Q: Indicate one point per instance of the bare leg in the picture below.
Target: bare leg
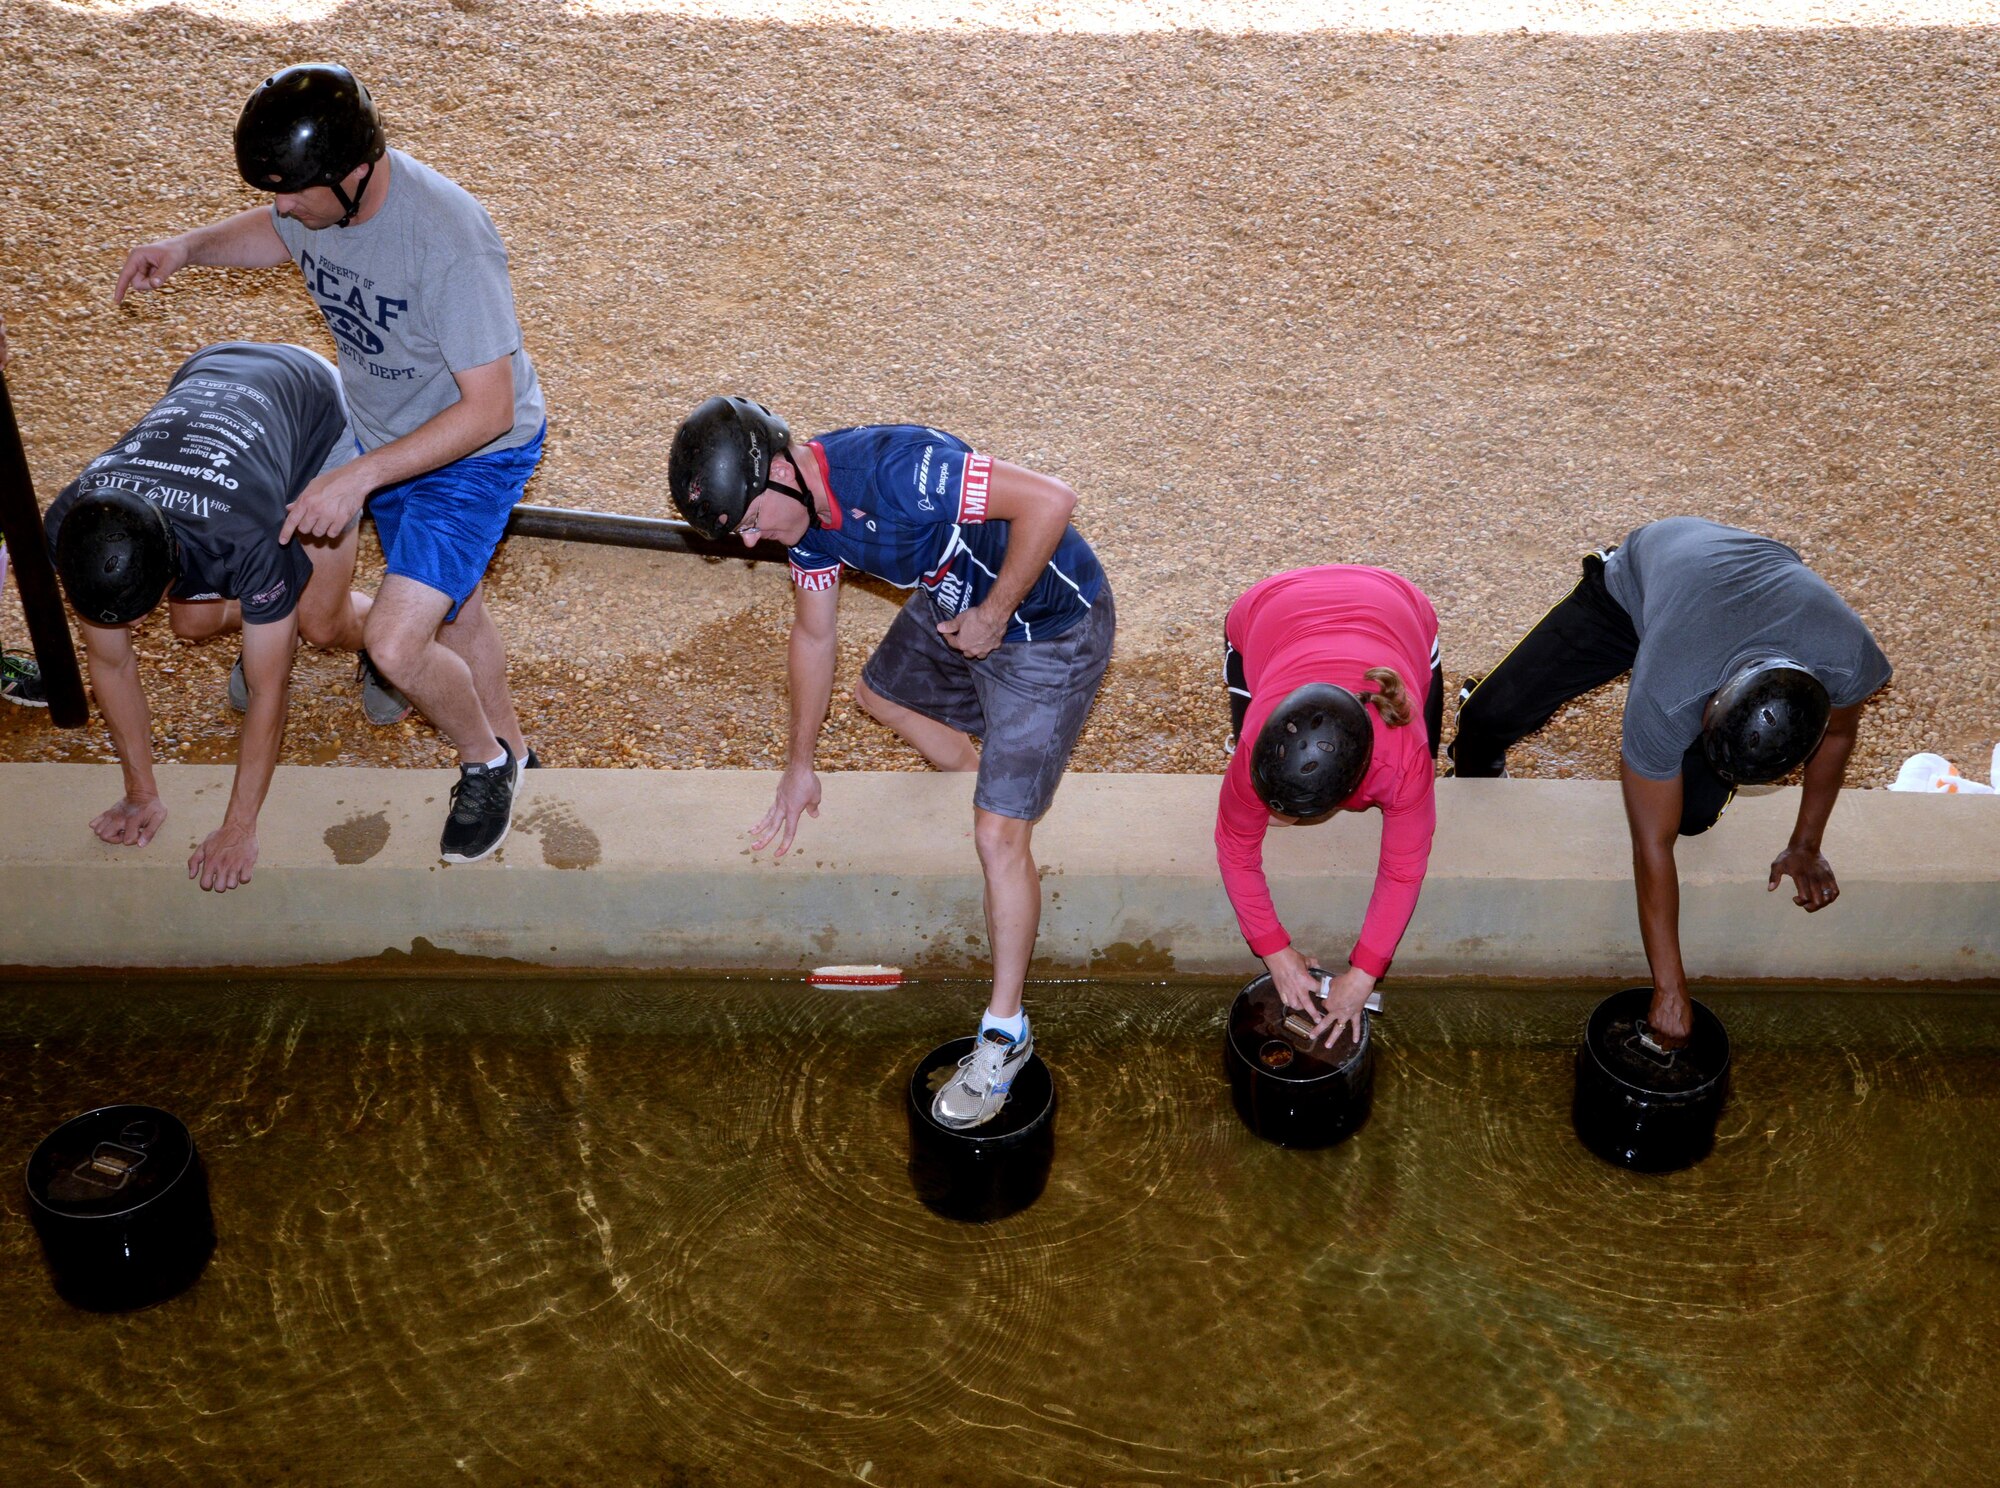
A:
(1013, 902)
(204, 619)
(332, 614)
(944, 746)
(401, 632)
(476, 640)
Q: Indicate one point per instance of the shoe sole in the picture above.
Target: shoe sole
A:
(953, 1124)
(21, 702)
(481, 857)
(370, 712)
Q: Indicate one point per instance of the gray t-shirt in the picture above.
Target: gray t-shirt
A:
(243, 427)
(1705, 598)
(414, 294)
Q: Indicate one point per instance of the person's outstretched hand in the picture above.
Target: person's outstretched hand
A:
(1291, 975)
(798, 793)
(1346, 1000)
(225, 858)
(1670, 1019)
(328, 505)
(130, 823)
(1812, 875)
(150, 267)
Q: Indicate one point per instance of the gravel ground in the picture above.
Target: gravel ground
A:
(1460, 304)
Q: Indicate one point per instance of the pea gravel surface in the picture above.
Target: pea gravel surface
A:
(1459, 290)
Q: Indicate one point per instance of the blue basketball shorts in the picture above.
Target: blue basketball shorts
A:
(440, 528)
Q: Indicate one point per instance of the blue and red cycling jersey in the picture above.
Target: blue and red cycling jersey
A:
(909, 507)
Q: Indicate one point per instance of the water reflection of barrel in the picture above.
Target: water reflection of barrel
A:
(1286, 1090)
(1640, 1107)
(119, 1198)
(982, 1172)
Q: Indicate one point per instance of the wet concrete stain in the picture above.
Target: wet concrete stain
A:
(567, 842)
(1122, 955)
(424, 956)
(359, 838)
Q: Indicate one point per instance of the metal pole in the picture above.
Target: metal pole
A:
(659, 534)
(35, 576)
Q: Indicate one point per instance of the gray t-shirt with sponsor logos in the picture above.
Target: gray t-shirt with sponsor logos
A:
(414, 294)
(243, 427)
(1705, 598)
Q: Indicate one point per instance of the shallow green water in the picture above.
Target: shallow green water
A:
(614, 1230)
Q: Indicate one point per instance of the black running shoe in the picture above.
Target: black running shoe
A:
(21, 680)
(482, 809)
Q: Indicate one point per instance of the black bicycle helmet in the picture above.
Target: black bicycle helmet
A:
(1312, 751)
(116, 553)
(721, 462)
(309, 126)
(1764, 721)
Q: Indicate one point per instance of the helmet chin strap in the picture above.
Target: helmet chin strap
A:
(360, 194)
(812, 508)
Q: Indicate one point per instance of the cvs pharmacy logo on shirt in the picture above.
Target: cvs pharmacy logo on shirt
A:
(353, 316)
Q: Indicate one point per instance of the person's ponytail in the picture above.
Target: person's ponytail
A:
(1393, 701)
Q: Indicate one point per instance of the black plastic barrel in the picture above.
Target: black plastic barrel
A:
(1641, 1108)
(987, 1172)
(1287, 1090)
(120, 1200)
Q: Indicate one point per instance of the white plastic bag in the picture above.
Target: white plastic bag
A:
(1938, 776)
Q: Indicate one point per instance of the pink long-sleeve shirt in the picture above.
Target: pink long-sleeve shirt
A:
(1332, 624)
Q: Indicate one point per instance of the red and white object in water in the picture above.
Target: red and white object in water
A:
(834, 978)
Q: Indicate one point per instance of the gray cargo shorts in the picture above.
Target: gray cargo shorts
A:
(1025, 701)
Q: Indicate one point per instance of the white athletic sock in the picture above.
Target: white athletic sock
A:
(1013, 1027)
(497, 761)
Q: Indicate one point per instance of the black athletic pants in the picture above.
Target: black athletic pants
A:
(1584, 642)
(1239, 697)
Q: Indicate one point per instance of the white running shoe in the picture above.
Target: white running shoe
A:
(976, 1094)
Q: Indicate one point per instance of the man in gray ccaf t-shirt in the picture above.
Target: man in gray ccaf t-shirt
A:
(447, 411)
(1744, 664)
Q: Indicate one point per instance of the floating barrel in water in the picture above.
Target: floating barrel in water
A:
(981, 1172)
(120, 1200)
(1286, 1090)
(1645, 1108)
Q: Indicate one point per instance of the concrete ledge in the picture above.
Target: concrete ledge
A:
(642, 869)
